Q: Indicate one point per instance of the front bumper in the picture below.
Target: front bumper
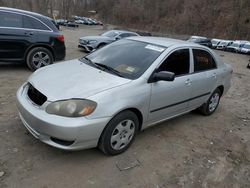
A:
(60, 132)
(87, 47)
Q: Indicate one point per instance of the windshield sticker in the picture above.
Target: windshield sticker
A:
(127, 69)
(155, 48)
(130, 69)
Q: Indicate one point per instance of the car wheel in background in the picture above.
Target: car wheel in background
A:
(101, 45)
(119, 133)
(39, 57)
(211, 105)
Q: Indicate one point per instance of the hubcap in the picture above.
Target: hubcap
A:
(40, 59)
(122, 134)
(214, 101)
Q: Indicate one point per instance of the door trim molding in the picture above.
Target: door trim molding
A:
(171, 105)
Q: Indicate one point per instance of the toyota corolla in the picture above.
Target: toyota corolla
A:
(105, 98)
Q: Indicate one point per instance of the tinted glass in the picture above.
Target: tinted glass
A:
(124, 35)
(177, 62)
(10, 20)
(130, 58)
(110, 34)
(246, 46)
(32, 23)
(203, 60)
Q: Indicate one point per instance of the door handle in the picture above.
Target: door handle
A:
(188, 82)
(29, 33)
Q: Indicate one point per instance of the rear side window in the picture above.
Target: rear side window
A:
(203, 60)
(32, 23)
(8, 19)
(178, 62)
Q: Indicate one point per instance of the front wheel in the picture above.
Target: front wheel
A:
(211, 105)
(119, 133)
(39, 57)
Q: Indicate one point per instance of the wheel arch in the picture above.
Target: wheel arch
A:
(221, 88)
(39, 45)
(101, 43)
(134, 110)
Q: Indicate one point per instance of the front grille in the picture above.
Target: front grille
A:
(35, 96)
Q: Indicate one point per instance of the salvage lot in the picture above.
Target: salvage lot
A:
(189, 151)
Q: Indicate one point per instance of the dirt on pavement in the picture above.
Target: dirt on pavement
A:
(189, 151)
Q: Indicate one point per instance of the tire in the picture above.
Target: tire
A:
(101, 45)
(208, 108)
(248, 66)
(42, 55)
(119, 133)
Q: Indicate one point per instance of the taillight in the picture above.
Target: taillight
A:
(60, 38)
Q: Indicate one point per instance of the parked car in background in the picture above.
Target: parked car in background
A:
(245, 48)
(215, 43)
(28, 37)
(201, 40)
(61, 22)
(71, 24)
(236, 46)
(91, 43)
(223, 44)
(71, 105)
(80, 22)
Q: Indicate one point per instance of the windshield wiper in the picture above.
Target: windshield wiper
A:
(92, 63)
(110, 69)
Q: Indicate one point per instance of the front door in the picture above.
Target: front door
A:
(171, 98)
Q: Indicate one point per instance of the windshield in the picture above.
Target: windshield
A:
(110, 34)
(235, 45)
(127, 57)
(215, 42)
(247, 46)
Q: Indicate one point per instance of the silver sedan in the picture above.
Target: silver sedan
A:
(105, 98)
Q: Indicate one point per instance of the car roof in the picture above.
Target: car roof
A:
(122, 31)
(23, 12)
(166, 42)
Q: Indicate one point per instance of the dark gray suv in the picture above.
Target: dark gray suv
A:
(30, 38)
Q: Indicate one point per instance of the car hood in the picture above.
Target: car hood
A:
(73, 79)
(98, 38)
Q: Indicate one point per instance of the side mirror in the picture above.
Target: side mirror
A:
(118, 37)
(162, 76)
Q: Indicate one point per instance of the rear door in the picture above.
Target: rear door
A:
(204, 77)
(14, 38)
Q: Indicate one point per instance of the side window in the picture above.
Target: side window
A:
(203, 60)
(127, 35)
(177, 62)
(8, 19)
(124, 35)
(31, 23)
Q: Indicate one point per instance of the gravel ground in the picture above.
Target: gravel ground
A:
(189, 151)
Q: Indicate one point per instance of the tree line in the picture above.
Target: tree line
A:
(229, 19)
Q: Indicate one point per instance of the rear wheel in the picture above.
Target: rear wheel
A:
(39, 57)
(211, 105)
(119, 133)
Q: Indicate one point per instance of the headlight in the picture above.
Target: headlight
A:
(92, 41)
(71, 108)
